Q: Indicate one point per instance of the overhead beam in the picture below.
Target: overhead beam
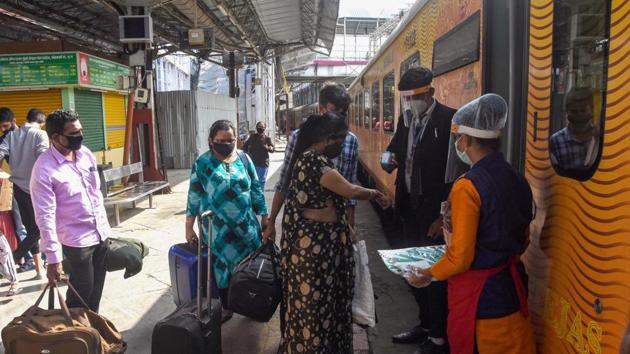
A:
(191, 10)
(228, 11)
(14, 32)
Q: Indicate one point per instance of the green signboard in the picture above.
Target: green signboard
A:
(104, 73)
(41, 69)
(59, 69)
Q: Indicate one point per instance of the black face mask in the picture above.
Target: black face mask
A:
(74, 142)
(223, 149)
(260, 130)
(334, 150)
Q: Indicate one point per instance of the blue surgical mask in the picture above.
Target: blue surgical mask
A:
(463, 156)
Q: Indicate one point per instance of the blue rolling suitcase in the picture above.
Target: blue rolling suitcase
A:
(182, 259)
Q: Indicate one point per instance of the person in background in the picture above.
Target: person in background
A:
(258, 146)
(22, 147)
(224, 180)
(316, 260)
(69, 210)
(419, 151)
(333, 97)
(21, 233)
(575, 146)
(7, 267)
(491, 209)
(35, 118)
(20, 230)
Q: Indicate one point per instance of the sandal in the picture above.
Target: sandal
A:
(14, 289)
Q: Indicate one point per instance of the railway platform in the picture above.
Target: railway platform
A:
(135, 304)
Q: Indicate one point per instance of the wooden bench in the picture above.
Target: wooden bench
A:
(131, 192)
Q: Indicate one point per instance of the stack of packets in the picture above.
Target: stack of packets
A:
(403, 261)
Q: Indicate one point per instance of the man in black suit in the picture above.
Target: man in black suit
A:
(419, 151)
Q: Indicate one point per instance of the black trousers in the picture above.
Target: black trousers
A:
(87, 275)
(433, 304)
(31, 242)
(432, 300)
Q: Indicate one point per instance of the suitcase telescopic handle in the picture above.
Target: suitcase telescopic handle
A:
(205, 215)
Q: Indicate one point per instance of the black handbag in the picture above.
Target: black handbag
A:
(256, 286)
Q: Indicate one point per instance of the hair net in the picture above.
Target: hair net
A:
(483, 117)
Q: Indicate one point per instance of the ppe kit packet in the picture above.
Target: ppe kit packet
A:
(402, 261)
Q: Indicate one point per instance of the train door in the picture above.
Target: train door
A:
(505, 37)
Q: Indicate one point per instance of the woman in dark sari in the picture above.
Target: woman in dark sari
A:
(316, 258)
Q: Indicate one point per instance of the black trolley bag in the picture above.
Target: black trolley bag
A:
(195, 326)
(256, 285)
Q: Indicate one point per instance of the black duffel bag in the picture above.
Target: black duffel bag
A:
(256, 287)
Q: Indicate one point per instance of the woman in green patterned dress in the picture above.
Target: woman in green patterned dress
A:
(316, 259)
(224, 180)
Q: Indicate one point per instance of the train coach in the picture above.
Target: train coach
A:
(532, 53)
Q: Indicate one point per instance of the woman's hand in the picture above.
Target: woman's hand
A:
(419, 277)
(264, 224)
(264, 220)
(269, 231)
(381, 199)
(190, 234)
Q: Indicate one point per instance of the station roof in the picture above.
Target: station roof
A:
(309, 23)
(253, 26)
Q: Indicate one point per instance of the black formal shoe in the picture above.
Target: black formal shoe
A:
(428, 347)
(415, 335)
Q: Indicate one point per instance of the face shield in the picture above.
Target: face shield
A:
(412, 105)
(455, 167)
(483, 118)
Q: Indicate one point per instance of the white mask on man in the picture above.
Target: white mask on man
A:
(418, 107)
(413, 108)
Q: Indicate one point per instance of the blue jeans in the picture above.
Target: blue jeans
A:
(261, 171)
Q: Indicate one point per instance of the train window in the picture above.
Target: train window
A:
(367, 113)
(388, 103)
(376, 106)
(578, 100)
(413, 59)
(458, 47)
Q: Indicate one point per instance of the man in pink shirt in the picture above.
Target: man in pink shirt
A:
(68, 204)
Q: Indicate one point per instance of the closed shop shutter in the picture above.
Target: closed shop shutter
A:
(115, 119)
(21, 102)
(89, 106)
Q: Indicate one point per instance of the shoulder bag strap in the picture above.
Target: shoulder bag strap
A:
(246, 163)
